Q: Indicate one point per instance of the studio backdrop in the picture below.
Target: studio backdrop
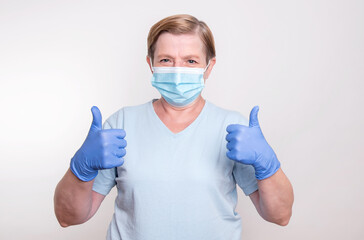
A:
(302, 62)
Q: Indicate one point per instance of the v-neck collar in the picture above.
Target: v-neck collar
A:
(165, 129)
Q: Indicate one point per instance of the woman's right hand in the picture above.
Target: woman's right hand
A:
(102, 149)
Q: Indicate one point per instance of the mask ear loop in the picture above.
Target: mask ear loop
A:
(151, 63)
(206, 67)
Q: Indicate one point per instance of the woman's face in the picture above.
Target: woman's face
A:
(182, 50)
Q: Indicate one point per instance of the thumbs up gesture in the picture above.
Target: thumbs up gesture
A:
(247, 145)
(102, 149)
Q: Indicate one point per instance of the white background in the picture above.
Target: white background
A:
(302, 62)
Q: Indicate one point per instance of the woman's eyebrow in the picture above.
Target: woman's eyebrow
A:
(162, 55)
(192, 56)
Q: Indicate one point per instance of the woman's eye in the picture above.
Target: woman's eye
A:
(192, 61)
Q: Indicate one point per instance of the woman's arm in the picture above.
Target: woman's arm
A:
(274, 198)
(74, 200)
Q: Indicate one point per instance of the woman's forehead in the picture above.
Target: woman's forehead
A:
(179, 44)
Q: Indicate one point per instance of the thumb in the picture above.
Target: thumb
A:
(253, 119)
(96, 119)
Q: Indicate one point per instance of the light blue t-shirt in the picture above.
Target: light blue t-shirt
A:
(175, 186)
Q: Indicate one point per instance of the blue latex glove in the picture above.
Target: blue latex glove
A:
(247, 145)
(102, 149)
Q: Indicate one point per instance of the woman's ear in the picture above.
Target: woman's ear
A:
(149, 63)
(209, 69)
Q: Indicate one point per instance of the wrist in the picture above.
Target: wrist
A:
(266, 165)
(80, 169)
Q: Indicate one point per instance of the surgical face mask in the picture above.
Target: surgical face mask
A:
(179, 86)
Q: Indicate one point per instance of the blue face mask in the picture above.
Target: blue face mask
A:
(179, 86)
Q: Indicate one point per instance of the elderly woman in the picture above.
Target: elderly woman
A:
(177, 179)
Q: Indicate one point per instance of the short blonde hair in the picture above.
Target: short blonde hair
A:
(182, 24)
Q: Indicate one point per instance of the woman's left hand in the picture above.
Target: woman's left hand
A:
(247, 145)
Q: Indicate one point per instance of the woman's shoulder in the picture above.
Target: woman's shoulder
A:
(116, 119)
(228, 115)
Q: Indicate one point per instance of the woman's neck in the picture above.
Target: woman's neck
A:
(178, 118)
(172, 110)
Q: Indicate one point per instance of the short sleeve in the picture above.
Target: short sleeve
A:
(243, 174)
(105, 179)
